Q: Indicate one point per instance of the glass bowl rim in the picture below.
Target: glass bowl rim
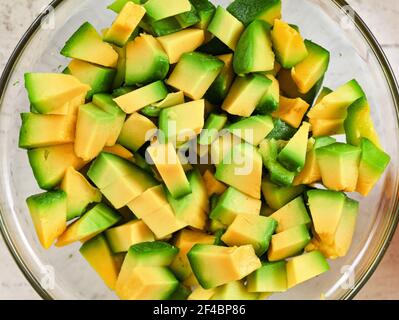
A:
(371, 41)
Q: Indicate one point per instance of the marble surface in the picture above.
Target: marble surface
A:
(381, 16)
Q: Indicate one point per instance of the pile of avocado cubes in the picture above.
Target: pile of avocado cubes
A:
(172, 76)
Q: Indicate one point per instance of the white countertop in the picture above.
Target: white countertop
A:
(381, 16)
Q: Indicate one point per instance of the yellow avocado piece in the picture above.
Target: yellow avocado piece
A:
(71, 107)
(311, 172)
(178, 43)
(327, 127)
(120, 151)
(213, 186)
(124, 24)
(149, 201)
(221, 147)
(291, 111)
(172, 99)
(202, 294)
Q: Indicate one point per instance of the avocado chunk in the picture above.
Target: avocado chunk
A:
(189, 18)
(49, 164)
(291, 111)
(249, 10)
(339, 166)
(222, 146)
(326, 208)
(48, 211)
(288, 243)
(245, 94)
(106, 103)
(162, 27)
(281, 131)
(92, 223)
(120, 151)
(291, 215)
(205, 10)
(358, 124)
(226, 27)
(120, 75)
(213, 186)
(178, 43)
(161, 9)
(221, 86)
(87, 45)
(193, 207)
(293, 155)
(215, 47)
(185, 240)
(148, 202)
(145, 51)
(227, 264)
(373, 162)
(250, 229)
(47, 92)
(307, 73)
(99, 78)
(202, 294)
(288, 44)
(98, 254)
(233, 203)
(136, 131)
(44, 130)
(125, 23)
(271, 99)
(254, 49)
(271, 277)
(242, 169)
(80, 193)
(213, 125)
(278, 196)
(182, 122)
(165, 158)
(234, 290)
(194, 74)
(305, 267)
(253, 129)
(121, 91)
(92, 131)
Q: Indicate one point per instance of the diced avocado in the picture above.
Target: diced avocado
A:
(118, 5)
(288, 243)
(44, 130)
(48, 91)
(281, 131)
(288, 44)
(326, 208)
(291, 215)
(334, 105)
(373, 162)
(253, 129)
(307, 73)
(161, 9)
(193, 207)
(120, 75)
(188, 19)
(325, 127)
(92, 223)
(293, 154)
(194, 74)
(122, 237)
(305, 267)
(182, 122)
(98, 254)
(125, 24)
(215, 47)
(106, 103)
(227, 264)
(121, 151)
(221, 86)
(234, 290)
(169, 167)
(92, 131)
(339, 166)
(80, 193)
(145, 51)
(245, 94)
(226, 27)
(202, 294)
(205, 10)
(250, 229)
(87, 45)
(213, 186)
(242, 169)
(271, 277)
(324, 92)
(99, 78)
(162, 27)
(142, 97)
(291, 111)
(271, 99)
(249, 10)
(48, 211)
(222, 146)
(136, 131)
(121, 91)
(49, 164)
(148, 202)
(184, 241)
(358, 124)
(213, 125)
(276, 196)
(233, 203)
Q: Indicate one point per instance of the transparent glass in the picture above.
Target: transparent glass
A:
(354, 54)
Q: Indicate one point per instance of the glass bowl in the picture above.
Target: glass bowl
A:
(64, 274)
